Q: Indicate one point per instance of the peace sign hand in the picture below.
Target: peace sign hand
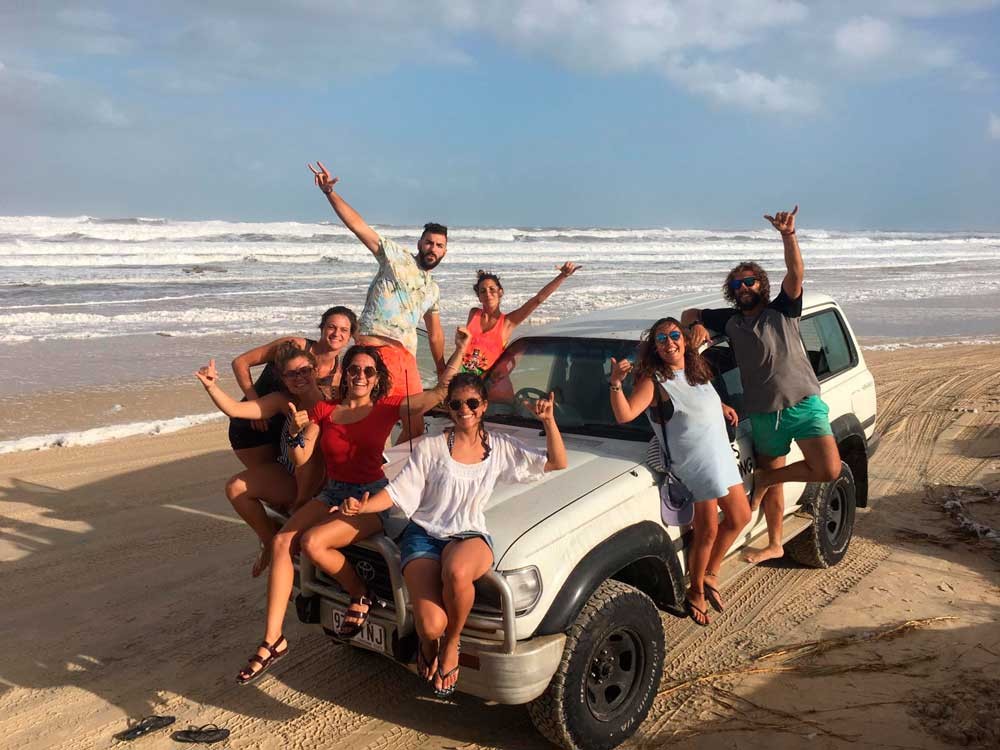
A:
(619, 370)
(322, 178)
(568, 268)
(784, 221)
(207, 375)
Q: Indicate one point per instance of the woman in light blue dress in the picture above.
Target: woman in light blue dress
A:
(700, 451)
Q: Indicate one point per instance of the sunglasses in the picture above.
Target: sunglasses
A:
(355, 370)
(749, 281)
(661, 337)
(456, 403)
(302, 373)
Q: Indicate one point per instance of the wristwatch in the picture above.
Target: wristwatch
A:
(615, 387)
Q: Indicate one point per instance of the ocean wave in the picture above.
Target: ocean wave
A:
(97, 435)
(129, 221)
(898, 345)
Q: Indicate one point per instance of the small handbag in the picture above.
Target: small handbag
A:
(676, 500)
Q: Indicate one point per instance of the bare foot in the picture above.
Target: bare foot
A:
(427, 666)
(755, 556)
(760, 488)
(262, 561)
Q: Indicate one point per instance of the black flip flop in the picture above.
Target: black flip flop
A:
(712, 597)
(208, 734)
(144, 727)
(691, 609)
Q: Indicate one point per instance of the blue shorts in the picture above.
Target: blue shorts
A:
(416, 543)
(336, 492)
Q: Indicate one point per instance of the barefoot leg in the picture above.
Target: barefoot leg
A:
(774, 511)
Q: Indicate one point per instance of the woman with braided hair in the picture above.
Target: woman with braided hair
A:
(490, 328)
(443, 489)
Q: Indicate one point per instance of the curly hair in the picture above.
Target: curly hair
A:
(384, 384)
(284, 354)
(763, 283)
(483, 276)
(697, 370)
(471, 380)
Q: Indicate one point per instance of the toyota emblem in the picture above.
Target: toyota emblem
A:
(366, 570)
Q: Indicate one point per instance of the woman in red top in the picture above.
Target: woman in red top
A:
(491, 329)
(352, 431)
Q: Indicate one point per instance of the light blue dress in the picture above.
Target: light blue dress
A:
(700, 452)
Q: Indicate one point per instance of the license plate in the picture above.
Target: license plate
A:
(372, 634)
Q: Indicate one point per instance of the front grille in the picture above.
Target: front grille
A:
(370, 567)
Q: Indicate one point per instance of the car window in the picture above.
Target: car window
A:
(827, 344)
(727, 375)
(576, 371)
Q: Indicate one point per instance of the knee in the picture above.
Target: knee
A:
(236, 487)
(312, 544)
(431, 623)
(456, 576)
(736, 517)
(830, 469)
(282, 543)
(708, 530)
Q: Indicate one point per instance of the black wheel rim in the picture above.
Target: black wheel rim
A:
(614, 674)
(833, 520)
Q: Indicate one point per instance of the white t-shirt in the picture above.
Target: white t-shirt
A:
(446, 497)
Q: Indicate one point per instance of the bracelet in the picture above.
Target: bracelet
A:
(787, 234)
(298, 440)
(615, 388)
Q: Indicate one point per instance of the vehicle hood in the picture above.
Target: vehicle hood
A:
(515, 508)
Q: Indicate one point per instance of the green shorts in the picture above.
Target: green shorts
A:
(774, 432)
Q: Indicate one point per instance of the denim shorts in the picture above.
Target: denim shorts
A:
(774, 432)
(336, 492)
(416, 543)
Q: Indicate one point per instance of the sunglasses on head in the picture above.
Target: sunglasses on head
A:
(302, 372)
(456, 403)
(749, 281)
(661, 337)
(355, 370)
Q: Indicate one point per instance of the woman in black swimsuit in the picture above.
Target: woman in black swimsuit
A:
(257, 442)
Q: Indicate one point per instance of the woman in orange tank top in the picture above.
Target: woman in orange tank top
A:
(490, 329)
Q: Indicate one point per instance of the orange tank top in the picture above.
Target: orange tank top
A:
(485, 346)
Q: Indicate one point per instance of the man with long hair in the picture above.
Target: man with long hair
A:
(401, 293)
(781, 392)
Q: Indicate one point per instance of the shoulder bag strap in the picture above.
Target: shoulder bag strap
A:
(663, 422)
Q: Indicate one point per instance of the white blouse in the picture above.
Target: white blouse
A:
(446, 497)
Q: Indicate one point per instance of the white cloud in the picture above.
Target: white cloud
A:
(994, 126)
(864, 39)
(745, 89)
(42, 99)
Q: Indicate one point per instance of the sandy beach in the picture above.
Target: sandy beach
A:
(125, 583)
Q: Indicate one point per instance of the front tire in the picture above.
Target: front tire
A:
(826, 541)
(609, 673)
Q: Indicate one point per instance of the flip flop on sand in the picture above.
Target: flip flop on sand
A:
(144, 727)
(208, 734)
(694, 613)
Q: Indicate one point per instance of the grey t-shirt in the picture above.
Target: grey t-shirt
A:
(774, 368)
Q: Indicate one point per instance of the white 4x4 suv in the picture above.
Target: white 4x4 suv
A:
(568, 621)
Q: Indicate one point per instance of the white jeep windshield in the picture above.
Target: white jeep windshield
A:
(576, 371)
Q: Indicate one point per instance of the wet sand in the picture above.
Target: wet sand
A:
(125, 584)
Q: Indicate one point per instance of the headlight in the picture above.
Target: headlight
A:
(526, 586)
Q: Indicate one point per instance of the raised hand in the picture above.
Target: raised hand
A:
(207, 375)
(462, 337)
(619, 370)
(699, 335)
(298, 418)
(784, 221)
(322, 178)
(568, 268)
(352, 506)
(544, 408)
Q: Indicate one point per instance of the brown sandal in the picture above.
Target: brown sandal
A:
(248, 674)
(347, 629)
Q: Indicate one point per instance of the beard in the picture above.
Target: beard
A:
(428, 261)
(748, 300)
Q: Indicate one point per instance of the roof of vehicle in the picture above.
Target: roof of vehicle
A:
(629, 321)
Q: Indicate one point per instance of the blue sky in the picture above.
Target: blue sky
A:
(879, 114)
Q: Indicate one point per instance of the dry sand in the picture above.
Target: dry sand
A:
(125, 590)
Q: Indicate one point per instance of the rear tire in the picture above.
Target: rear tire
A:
(826, 541)
(609, 673)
